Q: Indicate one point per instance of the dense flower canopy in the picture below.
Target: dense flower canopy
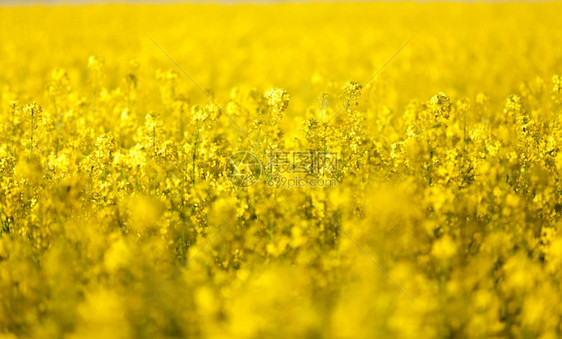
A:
(118, 218)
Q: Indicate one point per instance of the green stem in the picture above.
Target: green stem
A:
(194, 155)
(13, 132)
(31, 135)
(154, 141)
(557, 111)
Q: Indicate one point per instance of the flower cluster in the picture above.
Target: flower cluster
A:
(119, 220)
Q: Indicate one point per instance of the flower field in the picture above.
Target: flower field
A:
(362, 170)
